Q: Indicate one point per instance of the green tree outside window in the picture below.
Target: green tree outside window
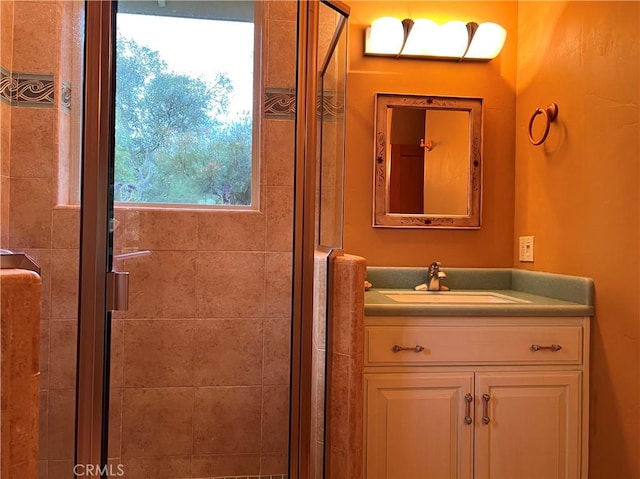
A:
(174, 143)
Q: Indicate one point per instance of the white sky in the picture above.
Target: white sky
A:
(199, 48)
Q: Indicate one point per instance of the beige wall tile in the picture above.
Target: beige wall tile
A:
(354, 405)
(64, 284)
(230, 284)
(42, 258)
(227, 420)
(231, 231)
(33, 142)
(60, 469)
(277, 347)
(274, 463)
(279, 145)
(275, 419)
(62, 367)
(278, 276)
(225, 465)
(6, 34)
(44, 355)
(338, 402)
(63, 160)
(5, 126)
(65, 227)
(61, 424)
(5, 203)
(162, 285)
(282, 10)
(161, 467)
(43, 465)
(281, 66)
(227, 352)
(279, 218)
(115, 423)
(338, 463)
(43, 425)
(30, 220)
(126, 228)
(348, 305)
(35, 39)
(158, 353)
(157, 422)
(117, 353)
(157, 229)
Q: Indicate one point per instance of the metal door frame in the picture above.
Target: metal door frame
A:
(300, 440)
(92, 383)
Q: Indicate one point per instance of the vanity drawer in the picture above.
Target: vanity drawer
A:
(416, 345)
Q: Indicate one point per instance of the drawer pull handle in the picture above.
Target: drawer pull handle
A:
(553, 347)
(469, 399)
(485, 409)
(417, 348)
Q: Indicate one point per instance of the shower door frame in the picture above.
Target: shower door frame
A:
(92, 386)
(92, 383)
(304, 241)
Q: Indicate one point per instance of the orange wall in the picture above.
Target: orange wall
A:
(578, 193)
(492, 245)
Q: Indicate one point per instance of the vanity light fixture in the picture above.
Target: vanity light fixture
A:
(422, 38)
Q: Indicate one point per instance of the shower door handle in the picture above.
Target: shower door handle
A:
(118, 283)
(117, 291)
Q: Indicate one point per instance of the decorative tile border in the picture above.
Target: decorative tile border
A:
(5, 86)
(332, 106)
(280, 103)
(26, 89)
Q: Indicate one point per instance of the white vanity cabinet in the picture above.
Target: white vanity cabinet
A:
(476, 397)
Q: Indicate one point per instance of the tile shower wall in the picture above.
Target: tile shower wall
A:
(6, 62)
(200, 365)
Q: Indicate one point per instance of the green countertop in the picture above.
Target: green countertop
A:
(536, 293)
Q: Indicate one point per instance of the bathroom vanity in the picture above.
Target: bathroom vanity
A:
(489, 380)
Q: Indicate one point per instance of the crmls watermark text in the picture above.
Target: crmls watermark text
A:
(95, 470)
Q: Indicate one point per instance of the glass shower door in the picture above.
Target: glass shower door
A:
(188, 392)
(196, 369)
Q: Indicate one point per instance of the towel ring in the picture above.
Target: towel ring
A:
(550, 114)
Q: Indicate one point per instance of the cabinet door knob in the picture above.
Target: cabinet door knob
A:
(417, 348)
(469, 399)
(485, 409)
(553, 347)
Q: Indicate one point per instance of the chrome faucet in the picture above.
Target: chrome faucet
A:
(435, 276)
(434, 279)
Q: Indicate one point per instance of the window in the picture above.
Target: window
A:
(185, 130)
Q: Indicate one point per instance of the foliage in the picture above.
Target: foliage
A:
(171, 144)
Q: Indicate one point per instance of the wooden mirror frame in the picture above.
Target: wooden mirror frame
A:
(382, 217)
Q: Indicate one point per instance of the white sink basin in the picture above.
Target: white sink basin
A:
(444, 297)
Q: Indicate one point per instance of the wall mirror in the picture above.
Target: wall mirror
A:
(428, 162)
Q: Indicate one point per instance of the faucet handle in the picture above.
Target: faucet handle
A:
(442, 274)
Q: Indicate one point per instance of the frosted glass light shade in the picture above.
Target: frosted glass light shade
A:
(454, 40)
(423, 34)
(487, 42)
(451, 41)
(385, 36)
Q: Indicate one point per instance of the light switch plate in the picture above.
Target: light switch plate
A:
(526, 249)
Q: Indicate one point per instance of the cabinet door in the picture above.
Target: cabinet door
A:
(532, 425)
(415, 426)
